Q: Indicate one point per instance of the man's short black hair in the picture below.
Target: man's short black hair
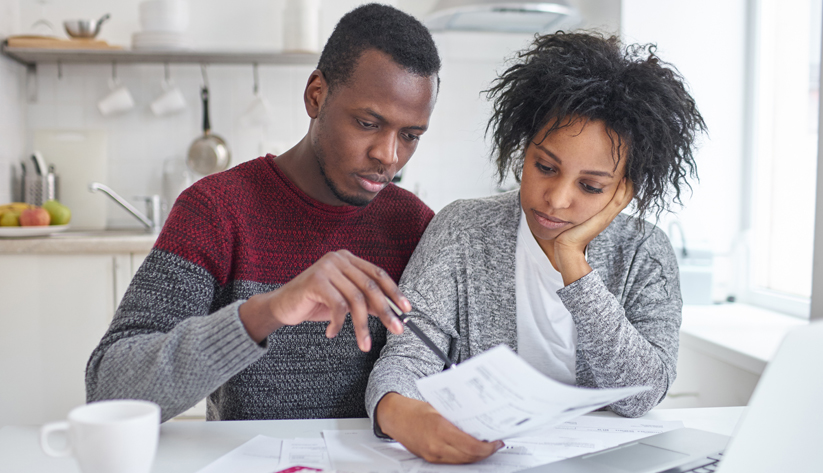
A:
(381, 27)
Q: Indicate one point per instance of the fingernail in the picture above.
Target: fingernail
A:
(499, 444)
(366, 343)
(406, 304)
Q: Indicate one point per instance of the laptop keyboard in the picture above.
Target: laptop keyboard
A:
(708, 464)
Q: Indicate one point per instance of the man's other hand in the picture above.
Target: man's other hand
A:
(337, 284)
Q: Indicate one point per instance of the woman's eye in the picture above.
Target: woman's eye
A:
(543, 168)
(591, 189)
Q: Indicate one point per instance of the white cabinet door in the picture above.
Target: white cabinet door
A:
(54, 309)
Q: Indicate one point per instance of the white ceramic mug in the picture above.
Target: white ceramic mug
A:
(119, 100)
(118, 436)
(171, 101)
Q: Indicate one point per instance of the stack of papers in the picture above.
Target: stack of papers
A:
(359, 451)
(495, 395)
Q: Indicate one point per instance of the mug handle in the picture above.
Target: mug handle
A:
(44, 439)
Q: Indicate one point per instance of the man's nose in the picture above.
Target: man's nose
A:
(385, 149)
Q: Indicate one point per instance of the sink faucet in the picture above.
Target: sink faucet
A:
(152, 222)
(676, 224)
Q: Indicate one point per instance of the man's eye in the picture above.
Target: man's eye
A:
(366, 124)
(410, 137)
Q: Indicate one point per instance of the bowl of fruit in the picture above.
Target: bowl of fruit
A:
(19, 219)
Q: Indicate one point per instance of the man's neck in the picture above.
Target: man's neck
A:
(300, 165)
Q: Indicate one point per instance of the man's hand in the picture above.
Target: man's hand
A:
(570, 246)
(337, 284)
(427, 434)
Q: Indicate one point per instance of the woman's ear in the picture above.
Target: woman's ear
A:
(317, 89)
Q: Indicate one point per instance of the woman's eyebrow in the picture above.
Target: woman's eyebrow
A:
(557, 159)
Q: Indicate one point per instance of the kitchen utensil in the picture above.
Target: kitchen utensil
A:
(209, 153)
(82, 157)
(84, 28)
(39, 163)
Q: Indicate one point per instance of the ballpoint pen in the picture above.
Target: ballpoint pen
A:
(422, 336)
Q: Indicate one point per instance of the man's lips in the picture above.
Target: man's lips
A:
(547, 221)
(372, 182)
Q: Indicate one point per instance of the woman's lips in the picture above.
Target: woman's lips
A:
(547, 221)
(372, 184)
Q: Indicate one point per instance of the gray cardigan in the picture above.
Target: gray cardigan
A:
(460, 281)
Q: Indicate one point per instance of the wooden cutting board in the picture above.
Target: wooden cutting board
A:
(50, 42)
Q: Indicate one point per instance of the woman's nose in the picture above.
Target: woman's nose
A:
(559, 195)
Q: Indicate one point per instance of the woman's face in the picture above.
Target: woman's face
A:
(568, 177)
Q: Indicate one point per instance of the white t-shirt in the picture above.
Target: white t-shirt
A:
(546, 334)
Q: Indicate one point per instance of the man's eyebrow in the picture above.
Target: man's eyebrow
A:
(557, 159)
(382, 119)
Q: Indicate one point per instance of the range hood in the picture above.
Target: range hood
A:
(529, 16)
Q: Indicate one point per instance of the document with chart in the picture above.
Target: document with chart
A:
(498, 395)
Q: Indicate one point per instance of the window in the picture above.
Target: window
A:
(783, 141)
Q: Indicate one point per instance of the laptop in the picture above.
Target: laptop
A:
(780, 431)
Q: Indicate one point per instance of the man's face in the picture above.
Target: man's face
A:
(369, 127)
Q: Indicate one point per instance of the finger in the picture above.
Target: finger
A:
(338, 307)
(356, 301)
(377, 285)
(469, 448)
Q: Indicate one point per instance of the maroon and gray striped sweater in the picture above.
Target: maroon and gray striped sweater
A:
(177, 337)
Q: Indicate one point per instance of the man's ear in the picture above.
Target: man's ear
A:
(317, 89)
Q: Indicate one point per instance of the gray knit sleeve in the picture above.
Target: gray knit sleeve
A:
(431, 284)
(631, 340)
(166, 343)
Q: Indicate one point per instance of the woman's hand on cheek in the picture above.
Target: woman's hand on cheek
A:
(427, 434)
(569, 246)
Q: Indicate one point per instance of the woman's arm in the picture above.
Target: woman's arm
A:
(633, 343)
(431, 282)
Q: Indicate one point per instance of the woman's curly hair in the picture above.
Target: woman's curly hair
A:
(640, 99)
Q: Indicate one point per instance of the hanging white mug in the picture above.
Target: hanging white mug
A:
(119, 100)
(170, 101)
(118, 436)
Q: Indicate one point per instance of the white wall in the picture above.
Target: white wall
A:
(12, 117)
(450, 163)
(705, 39)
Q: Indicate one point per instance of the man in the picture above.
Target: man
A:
(244, 297)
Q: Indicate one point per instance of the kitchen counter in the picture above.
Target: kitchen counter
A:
(81, 242)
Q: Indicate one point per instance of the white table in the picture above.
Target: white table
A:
(187, 446)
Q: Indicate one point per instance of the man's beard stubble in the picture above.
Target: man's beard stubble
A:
(319, 153)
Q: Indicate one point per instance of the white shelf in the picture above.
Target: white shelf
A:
(33, 56)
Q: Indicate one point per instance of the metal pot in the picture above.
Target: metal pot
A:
(209, 153)
(84, 28)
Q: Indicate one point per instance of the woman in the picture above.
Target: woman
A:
(586, 295)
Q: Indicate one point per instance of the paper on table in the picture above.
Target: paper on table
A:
(304, 452)
(497, 395)
(259, 455)
(354, 450)
(577, 437)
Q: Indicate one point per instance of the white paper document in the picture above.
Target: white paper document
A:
(358, 451)
(259, 455)
(498, 395)
(577, 437)
(304, 452)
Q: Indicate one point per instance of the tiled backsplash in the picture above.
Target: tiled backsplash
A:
(451, 161)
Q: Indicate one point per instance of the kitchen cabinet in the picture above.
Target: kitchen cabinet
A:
(54, 308)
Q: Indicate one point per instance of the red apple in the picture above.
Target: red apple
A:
(37, 217)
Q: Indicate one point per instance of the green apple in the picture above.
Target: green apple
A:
(59, 213)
